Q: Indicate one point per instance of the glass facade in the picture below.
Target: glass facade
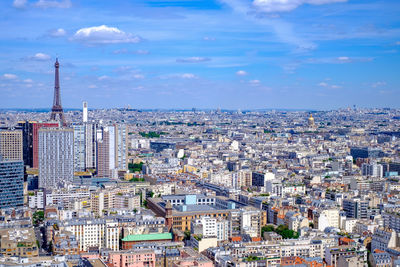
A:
(11, 184)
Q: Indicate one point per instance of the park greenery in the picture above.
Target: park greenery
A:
(152, 134)
(281, 230)
(38, 217)
(135, 167)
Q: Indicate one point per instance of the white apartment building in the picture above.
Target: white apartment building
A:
(94, 233)
(326, 218)
(56, 157)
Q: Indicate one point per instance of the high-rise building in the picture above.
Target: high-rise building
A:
(35, 139)
(56, 156)
(85, 112)
(121, 147)
(79, 148)
(11, 144)
(90, 145)
(11, 183)
(27, 142)
(84, 146)
(103, 153)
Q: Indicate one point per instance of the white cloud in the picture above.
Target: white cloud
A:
(19, 3)
(92, 86)
(270, 6)
(138, 76)
(323, 84)
(254, 82)
(102, 78)
(326, 85)
(28, 81)
(193, 59)
(142, 52)
(398, 43)
(104, 35)
(40, 57)
(189, 76)
(180, 76)
(53, 3)
(286, 32)
(344, 59)
(126, 51)
(57, 32)
(9, 76)
(378, 84)
(241, 73)
(207, 38)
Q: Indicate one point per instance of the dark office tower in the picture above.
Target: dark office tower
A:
(57, 109)
(27, 141)
(11, 183)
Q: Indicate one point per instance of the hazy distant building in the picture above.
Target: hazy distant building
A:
(311, 122)
(11, 144)
(365, 152)
(56, 156)
(11, 183)
(160, 146)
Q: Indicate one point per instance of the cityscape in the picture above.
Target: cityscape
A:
(220, 180)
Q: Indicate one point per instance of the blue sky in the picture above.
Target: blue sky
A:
(234, 54)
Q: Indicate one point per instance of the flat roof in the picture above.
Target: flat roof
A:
(146, 237)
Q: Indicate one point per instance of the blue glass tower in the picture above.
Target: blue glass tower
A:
(11, 183)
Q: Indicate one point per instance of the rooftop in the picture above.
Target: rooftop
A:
(148, 237)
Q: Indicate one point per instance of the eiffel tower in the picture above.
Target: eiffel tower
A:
(57, 108)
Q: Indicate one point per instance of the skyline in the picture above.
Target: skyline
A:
(232, 54)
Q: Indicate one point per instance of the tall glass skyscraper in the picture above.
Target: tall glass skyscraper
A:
(11, 183)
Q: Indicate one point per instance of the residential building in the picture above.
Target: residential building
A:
(56, 157)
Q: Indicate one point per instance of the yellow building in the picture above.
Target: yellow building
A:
(11, 144)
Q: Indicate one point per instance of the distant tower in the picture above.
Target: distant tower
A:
(57, 108)
(311, 122)
(168, 215)
(85, 112)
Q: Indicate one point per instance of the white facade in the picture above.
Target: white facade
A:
(56, 157)
(37, 201)
(84, 111)
(95, 233)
